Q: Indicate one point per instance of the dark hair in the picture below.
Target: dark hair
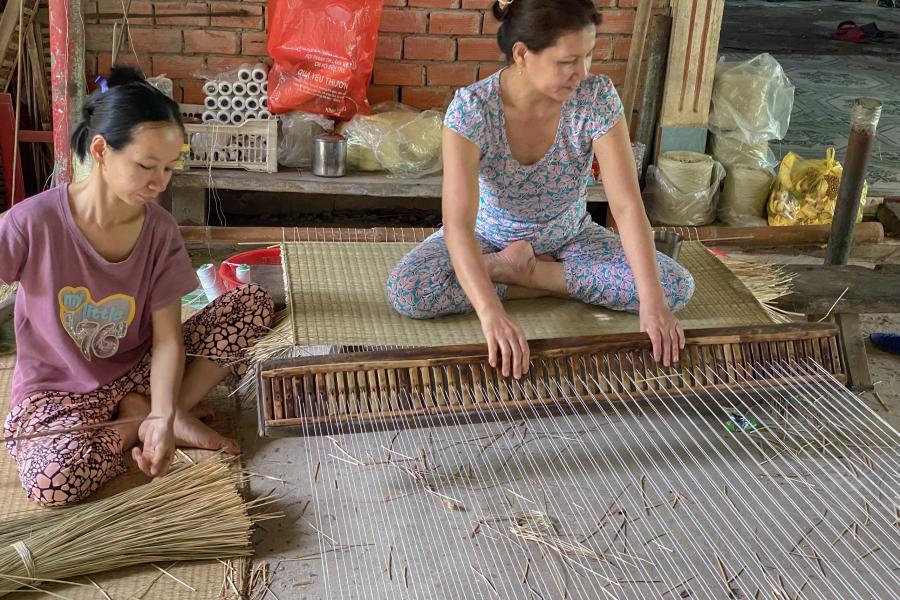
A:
(128, 102)
(540, 23)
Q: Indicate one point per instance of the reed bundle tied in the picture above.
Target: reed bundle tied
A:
(194, 513)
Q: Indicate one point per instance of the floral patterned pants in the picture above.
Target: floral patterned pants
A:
(423, 285)
(65, 468)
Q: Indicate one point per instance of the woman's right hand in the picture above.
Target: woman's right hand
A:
(506, 343)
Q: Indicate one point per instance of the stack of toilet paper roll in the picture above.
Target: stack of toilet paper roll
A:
(234, 100)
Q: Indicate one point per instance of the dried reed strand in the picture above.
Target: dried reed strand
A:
(766, 282)
(194, 513)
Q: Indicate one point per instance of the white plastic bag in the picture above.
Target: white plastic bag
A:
(295, 144)
(752, 100)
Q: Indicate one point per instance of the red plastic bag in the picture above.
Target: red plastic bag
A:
(324, 53)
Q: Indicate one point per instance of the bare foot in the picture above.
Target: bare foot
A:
(545, 258)
(132, 406)
(513, 265)
(203, 413)
(190, 432)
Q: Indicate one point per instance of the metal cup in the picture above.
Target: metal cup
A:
(668, 243)
(329, 155)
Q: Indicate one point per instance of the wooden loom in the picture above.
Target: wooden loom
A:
(431, 476)
(353, 391)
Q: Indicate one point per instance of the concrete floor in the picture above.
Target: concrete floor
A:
(390, 539)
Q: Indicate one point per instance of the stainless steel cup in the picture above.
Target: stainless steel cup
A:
(668, 243)
(329, 155)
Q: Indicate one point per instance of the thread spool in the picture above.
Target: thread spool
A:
(265, 114)
(211, 88)
(239, 88)
(264, 102)
(252, 103)
(260, 72)
(245, 72)
(224, 102)
(209, 116)
(213, 287)
(223, 117)
(238, 103)
(253, 88)
(251, 114)
(265, 86)
(242, 273)
(211, 102)
(224, 88)
(237, 118)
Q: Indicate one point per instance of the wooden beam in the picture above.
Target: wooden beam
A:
(635, 55)
(692, 63)
(67, 84)
(648, 113)
(815, 290)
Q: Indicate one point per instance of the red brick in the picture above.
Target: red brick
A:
(387, 73)
(253, 43)
(395, 2)
(111, 10)
(480, 49)
(429, 48)
(615, 71)
(455, 23)
(98, 38)
(104, 66)
(210, 41)
(403, 21)
(617, 21)
(458, 74)
(425, 98)
(382, 93)
(605, 3)
(478, 4)
(490, 25)
(192, 92)
(485, 70)
(390, 47)
(603, 49)
(622, 48)
(434, 3)
(178, 67)
(156, 40)
(253, 19)
(220, 64)
(165, 8)
(634, 3)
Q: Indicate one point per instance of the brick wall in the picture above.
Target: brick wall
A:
(426, 48)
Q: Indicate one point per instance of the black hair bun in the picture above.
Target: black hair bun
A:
(501, 12)
(123, 75)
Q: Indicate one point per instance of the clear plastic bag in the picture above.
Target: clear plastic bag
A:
(295, 144)
(732, 152)
(682, 189)
(397, 139)
(752, 100)
(806, 191)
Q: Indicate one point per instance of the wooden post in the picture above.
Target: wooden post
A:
(653, 86)
(690, 73)
(635, 56)
(67, 79)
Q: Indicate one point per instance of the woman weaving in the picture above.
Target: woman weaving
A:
(518, 148)
(101, 271)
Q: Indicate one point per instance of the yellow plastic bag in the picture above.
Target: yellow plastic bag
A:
(805, 191)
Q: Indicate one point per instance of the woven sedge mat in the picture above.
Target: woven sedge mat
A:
(143, 582)
(337, 296)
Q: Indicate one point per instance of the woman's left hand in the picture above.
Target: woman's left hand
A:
(665, 332)
(158, 437)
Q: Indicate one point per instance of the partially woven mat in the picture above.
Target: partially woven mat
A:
(147, 582)
(337, 296)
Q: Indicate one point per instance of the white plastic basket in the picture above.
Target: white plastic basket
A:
(252, 145)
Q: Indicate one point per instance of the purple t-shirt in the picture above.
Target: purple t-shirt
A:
(82, 321)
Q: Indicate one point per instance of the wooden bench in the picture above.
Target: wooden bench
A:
(186, 196)
(816, 289)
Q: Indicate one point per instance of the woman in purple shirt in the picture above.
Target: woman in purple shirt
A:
(101, 271)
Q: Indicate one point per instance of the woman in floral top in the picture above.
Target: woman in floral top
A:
(518, 148)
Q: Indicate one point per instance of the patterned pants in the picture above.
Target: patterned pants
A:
(62, 469)
(424, 285)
